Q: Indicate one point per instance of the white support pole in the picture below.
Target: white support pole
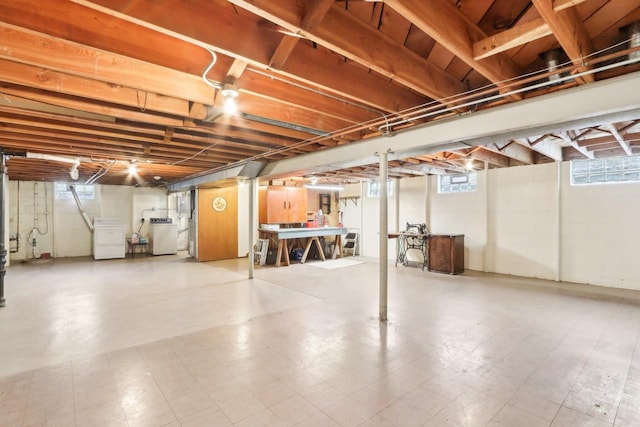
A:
(558, 220)
(384, 221)
(486, 216)
(252, 197)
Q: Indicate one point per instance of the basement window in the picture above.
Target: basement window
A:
(459, 183)
(63, 192)
(603, 171)
(373, 188)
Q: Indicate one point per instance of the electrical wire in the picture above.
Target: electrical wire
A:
(439, 105)
(214, 59)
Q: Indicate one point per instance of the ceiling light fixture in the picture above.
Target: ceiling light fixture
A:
(468, 164)
(228, 88)
(133, 169)
(328, 187)
(230, 93)
(73, 172)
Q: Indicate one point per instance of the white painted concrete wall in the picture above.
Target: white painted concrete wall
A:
(600, 234)
(522, 218)
(511, 224)
(463, 213)
(67, 235)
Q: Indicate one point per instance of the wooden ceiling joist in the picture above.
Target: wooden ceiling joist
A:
(513, 37)
(27, 47)
(341, 32)
(241, 38)
(443, 21)
(570, 33)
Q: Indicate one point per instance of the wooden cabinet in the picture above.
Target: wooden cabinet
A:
(281, 205)
(446, 253)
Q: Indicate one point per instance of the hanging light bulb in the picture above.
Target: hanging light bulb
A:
(133, 169)
(230, 106)
(230, 92)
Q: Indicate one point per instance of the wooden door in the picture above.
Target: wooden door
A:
(217, 224)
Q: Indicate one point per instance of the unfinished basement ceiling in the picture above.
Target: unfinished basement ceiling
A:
(110, 82)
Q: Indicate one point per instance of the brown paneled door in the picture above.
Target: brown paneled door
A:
(217, 224)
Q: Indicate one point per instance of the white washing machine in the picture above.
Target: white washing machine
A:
(108, 238)
(163, 236)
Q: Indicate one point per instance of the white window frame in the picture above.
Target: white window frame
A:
(612, 170)
(373, 188)
(86, 192)
(458, 183)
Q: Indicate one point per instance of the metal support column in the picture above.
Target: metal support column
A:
(558, 243)
(252, 198)
(3, 249)
(384, 238)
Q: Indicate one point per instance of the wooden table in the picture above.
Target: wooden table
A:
(283, 235)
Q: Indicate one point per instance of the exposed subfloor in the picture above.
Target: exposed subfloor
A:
(156, 341)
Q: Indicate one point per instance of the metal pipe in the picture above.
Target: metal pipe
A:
(384, 225)
(252, 195)
(82, 211)
(3, 249)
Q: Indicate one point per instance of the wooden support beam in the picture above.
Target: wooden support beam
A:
(344, 33)
(514, 151)
(543, 146)
(569, 139)
(559, 5)
(88, 106)
(441, 20)
(516, 36)
(237, 68)
(570, 33)
(283, 51)
(57, 82)
(240, 37)
(492, 157)
(41, 50)
(616, 134)
(168, 134)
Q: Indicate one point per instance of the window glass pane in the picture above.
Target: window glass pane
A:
(580, 167)
(613, 165)
(596, 166)
(84, 191)
(373, 188)
(631, 163)
(459, 183)
(581, 179)
(615, 176)
(610, 170)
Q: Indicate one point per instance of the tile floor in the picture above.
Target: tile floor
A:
(165, 341)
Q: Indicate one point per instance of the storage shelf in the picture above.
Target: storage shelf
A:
(345, 199)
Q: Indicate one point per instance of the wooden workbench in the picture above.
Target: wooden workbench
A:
(283, 235)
